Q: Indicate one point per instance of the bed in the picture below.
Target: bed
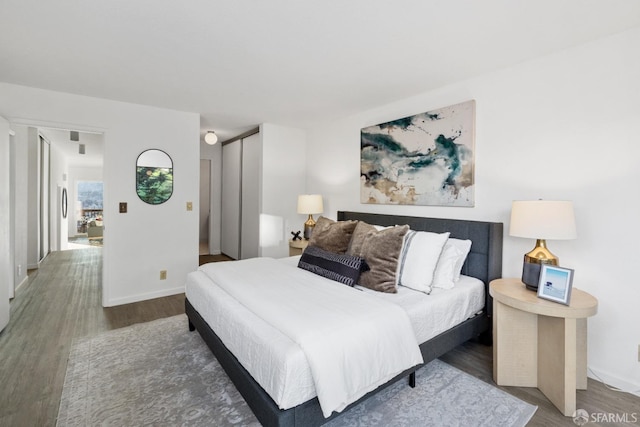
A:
(484, 262)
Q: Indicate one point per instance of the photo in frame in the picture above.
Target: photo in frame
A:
(555, 284)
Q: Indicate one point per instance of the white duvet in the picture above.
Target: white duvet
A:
(353, 341)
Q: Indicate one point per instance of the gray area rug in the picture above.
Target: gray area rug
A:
(160, 374)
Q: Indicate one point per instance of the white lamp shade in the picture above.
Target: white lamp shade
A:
(543, 219)
(310, 204)
(210, 137)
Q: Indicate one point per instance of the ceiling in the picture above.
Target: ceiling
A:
(93, 152)
(245, 62)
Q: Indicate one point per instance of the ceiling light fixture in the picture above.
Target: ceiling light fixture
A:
(210, 137)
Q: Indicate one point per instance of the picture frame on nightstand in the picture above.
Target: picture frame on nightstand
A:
(555, 284)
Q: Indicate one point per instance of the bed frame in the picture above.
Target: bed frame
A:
(483, 262)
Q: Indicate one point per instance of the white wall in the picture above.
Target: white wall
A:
(283, 179)
(564, 126)
(148, 238)
(6, 278)
(19, 187)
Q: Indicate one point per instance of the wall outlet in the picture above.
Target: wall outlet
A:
(163, 274)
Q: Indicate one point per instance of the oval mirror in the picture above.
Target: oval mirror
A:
(154, 177)
(65, 202)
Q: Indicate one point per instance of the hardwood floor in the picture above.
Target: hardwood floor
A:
(62, 301)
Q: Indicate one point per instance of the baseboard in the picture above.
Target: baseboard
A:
(614, 381)
(143, 297)
(24, 281)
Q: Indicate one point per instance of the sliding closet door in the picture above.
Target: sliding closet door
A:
(45, 202)
(231, 193)
(250, 222)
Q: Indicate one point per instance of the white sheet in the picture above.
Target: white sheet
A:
(437, 312)
(323, 317)
(278, 364)
(273, 360)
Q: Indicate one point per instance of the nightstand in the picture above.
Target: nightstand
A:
(297, 246)
(540, 343)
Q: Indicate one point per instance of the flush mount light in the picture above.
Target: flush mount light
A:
(210, 137)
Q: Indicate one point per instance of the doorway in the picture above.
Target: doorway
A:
(86, 227)
(205, 206)
(76, 159)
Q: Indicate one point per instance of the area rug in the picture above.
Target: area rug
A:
(160, 374)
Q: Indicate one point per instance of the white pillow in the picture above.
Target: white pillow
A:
(419, 258)
(450, 264)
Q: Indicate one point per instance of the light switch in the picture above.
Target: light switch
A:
(189, 206)
(123, 207)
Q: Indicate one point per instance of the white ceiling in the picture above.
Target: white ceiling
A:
(244, 62)
(93, 152)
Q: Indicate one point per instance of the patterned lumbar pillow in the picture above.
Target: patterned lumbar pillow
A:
(342, 268)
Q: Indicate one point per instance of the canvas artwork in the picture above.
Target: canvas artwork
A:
(425, 159)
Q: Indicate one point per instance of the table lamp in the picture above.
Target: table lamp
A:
(541, 220)
(309, 204)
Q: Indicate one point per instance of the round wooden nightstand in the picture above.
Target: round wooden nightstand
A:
(540, 343)
(297, 246)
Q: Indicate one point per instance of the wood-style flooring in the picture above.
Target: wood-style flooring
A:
(62, 301)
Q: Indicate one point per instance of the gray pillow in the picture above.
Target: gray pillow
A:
(332, 236)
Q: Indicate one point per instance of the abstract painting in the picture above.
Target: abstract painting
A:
(426, 159)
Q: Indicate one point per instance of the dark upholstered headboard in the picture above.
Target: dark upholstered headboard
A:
(485, 258)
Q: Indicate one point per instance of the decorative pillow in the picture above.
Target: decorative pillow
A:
(361, 231)
(464, 246)
(381, 249)
(444, 276)
(332, 236)
(419, 259)
(342, 268)
(450, 264)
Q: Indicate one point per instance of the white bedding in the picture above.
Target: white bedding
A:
(437, 312)
(323, 317)
(278, 364)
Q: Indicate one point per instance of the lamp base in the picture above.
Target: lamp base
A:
(308, 227)
(531, 275)
(532, 265)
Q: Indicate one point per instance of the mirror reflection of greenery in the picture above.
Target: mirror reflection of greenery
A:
(154, 185)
